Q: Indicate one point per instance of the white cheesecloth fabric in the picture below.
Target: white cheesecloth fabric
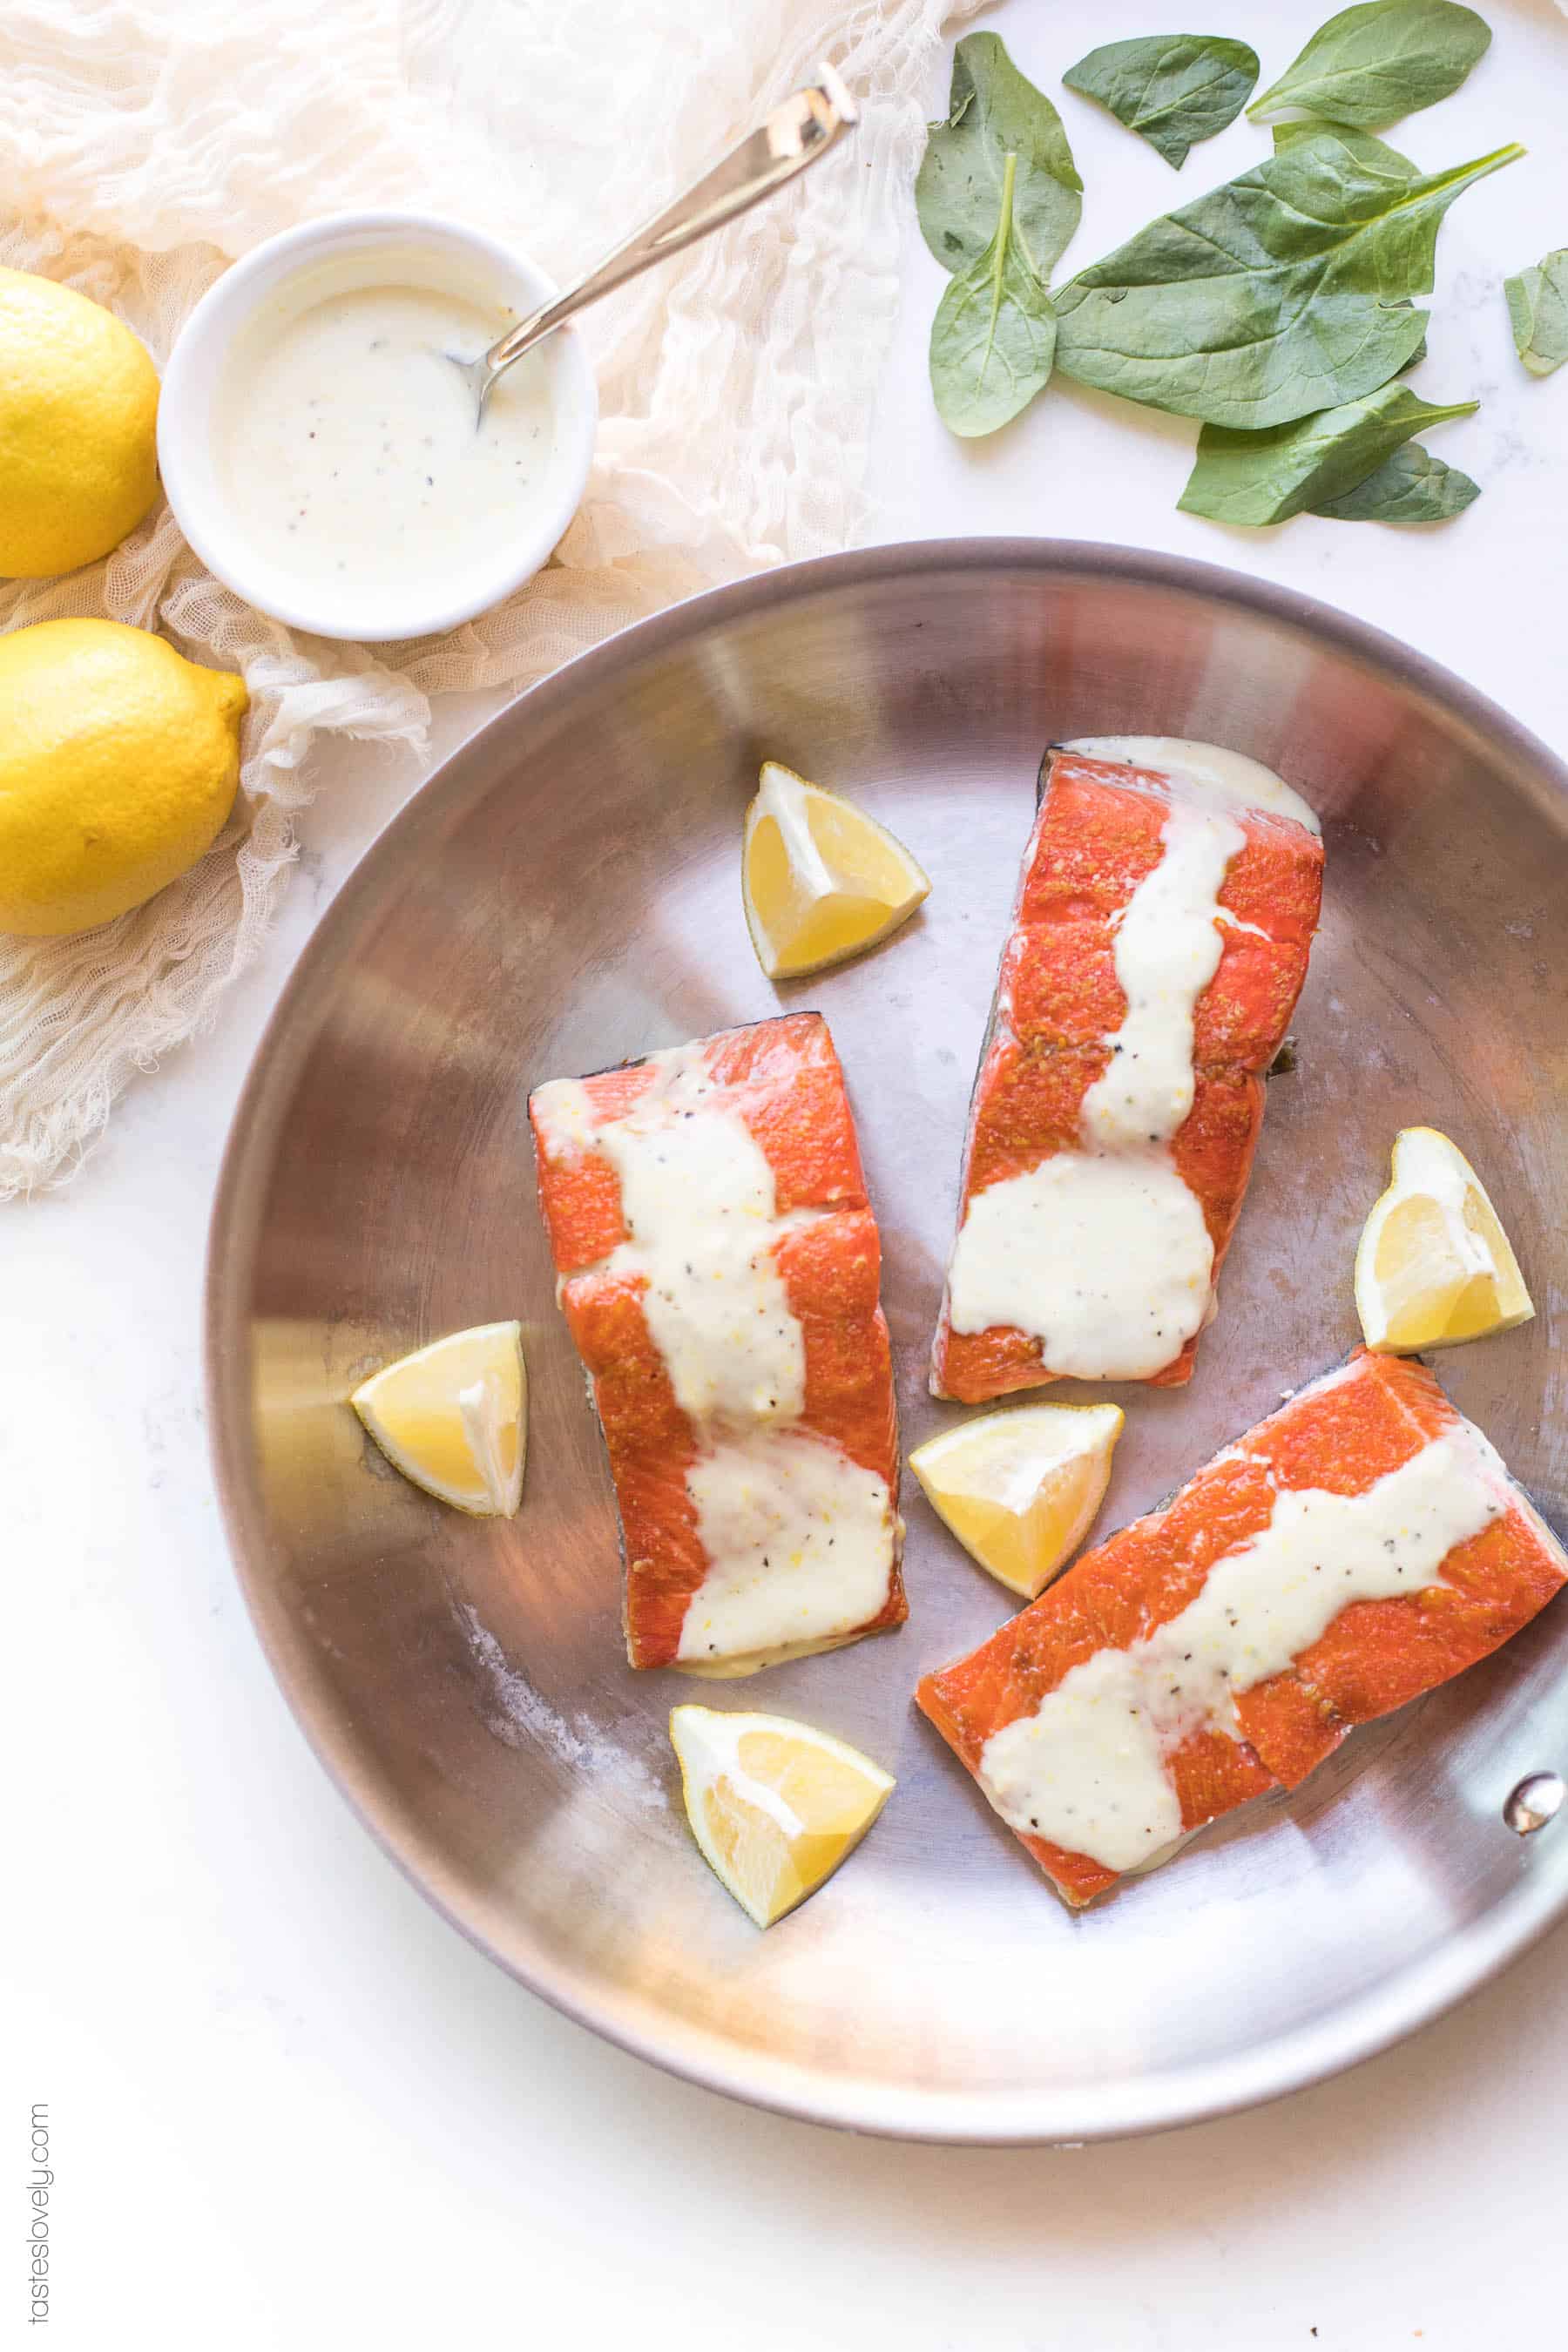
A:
(143, 143)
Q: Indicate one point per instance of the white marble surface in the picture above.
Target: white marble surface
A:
(290, 2106)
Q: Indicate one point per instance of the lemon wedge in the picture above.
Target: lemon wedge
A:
(454, 1418)
(821, 878)
(1434, 1267)
(1020, 1489)
(774, 1806)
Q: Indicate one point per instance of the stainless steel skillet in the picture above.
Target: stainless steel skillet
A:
(565, 893)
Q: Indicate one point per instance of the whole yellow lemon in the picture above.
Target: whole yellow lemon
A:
(78, 409)
(118, 762)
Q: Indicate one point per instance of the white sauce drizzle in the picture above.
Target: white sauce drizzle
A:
(565, 1116)
(698, 1198)
(1167, 950)
(1087, 1770)
(800, 1537)
(800, 1540)
(1107, 1261)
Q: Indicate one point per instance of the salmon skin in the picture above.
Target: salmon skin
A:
(1101, 833)
(719, 1268)
(1137, 1609)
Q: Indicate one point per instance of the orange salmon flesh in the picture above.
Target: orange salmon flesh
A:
(1340, 1434)
(1096, 836)
(782, 1078)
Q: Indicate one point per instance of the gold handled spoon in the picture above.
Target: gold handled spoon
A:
(793, 136)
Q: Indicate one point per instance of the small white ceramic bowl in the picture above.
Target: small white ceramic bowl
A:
(426, 250)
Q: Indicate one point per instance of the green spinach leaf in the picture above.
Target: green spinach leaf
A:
(1410, 487)
(1371, 65)
(994, 333)
(1283, 292)
(1172, 89)
(995, 111)
(1419, 353)
(1303, 126)
(1264, 478)
(1538, 312)
(1375, 152)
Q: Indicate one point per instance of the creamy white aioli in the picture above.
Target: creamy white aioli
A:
(1106, 1261)
(1167, 949)
(564, 1113)
(698, 1198)
(1087, 1770)
(1103, 1255)
(800, 1538)
(346, 440)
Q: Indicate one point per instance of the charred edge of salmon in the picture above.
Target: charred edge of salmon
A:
(1178, 1372)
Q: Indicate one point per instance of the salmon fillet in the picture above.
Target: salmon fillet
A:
(1135, 1616)
(755, 1456)
(1099, 833)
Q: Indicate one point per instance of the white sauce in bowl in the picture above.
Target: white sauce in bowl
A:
(346, 444)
